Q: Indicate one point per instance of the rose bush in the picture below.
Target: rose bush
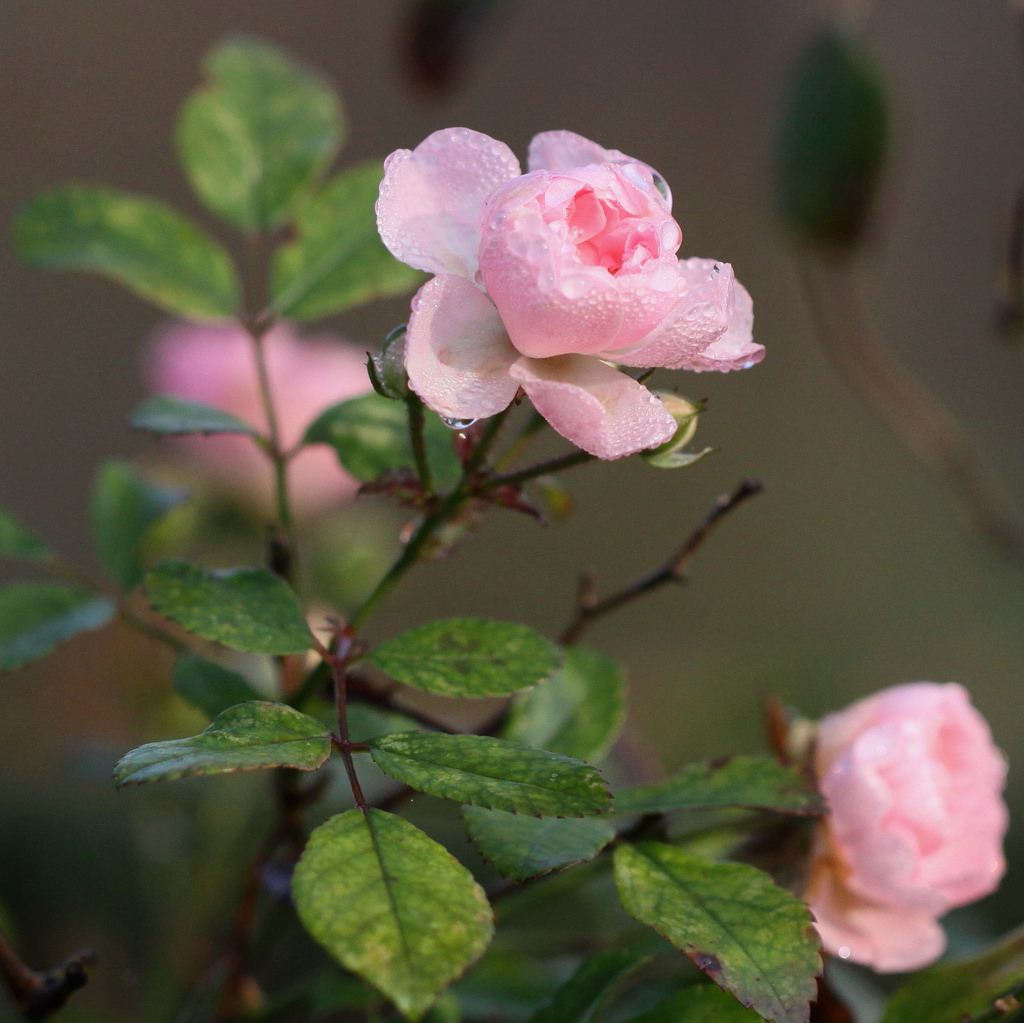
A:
(913, 782)
(215, 365)
(544, 278)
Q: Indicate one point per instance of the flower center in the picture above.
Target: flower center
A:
(606, 235)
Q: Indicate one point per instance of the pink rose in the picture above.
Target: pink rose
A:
(215, 365)
(545, 278)
(913, 783)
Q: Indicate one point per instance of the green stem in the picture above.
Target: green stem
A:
(414, 410)
(533, 425)
(448, 509)
(410, 555)
(275, 450)
(484, 444)
(257, 329)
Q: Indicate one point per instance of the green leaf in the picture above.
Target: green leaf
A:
(759, 783)
(520, 847)
(579, 711)
(242, 738)
(702, 1003)
(957, 991)
(210, 687)
(166, 415)
(750, 936)
(143, 244)
(391, 905)
(337, 259)
(832, 139)
(258, 135)
(18, 542)
(123, 507)
(583, 995)
(491, 772)
(675, 459)
(248, 609)
(35, 617)
(370, 436)
(468, 657)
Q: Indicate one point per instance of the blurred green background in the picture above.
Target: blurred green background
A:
(851, 572)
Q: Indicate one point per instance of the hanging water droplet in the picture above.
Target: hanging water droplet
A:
(661, 185)
(845, 951)
(457, 424)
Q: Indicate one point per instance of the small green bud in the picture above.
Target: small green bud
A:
(387, 370)
(670, 454)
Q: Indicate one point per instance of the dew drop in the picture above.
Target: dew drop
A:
(844, 951)
(457, 424)
(661, 185)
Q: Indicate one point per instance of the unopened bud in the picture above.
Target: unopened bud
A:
(387, 369)
(670, 455)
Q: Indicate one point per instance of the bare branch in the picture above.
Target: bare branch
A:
(39, 995)
(674, 570)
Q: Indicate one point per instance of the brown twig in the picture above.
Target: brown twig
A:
(674, 570)
(39, 995)
(1007, 1006)
(361, 691)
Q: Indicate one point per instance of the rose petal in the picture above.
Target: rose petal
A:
(888, 939)
(457, 353)
(709, 326)
(735, 349)
(935, 835)
(595, 406)
(913, 782)
(428, 211)
(556, 299)
(565, 150)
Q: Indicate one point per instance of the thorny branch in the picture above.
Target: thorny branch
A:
(674, 570)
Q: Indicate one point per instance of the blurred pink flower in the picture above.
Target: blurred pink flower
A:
(543, 279)
(914, 783)
(216, 365)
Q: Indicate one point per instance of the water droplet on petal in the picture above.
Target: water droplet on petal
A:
(661, 185)
(457, 424)
(844, 951)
